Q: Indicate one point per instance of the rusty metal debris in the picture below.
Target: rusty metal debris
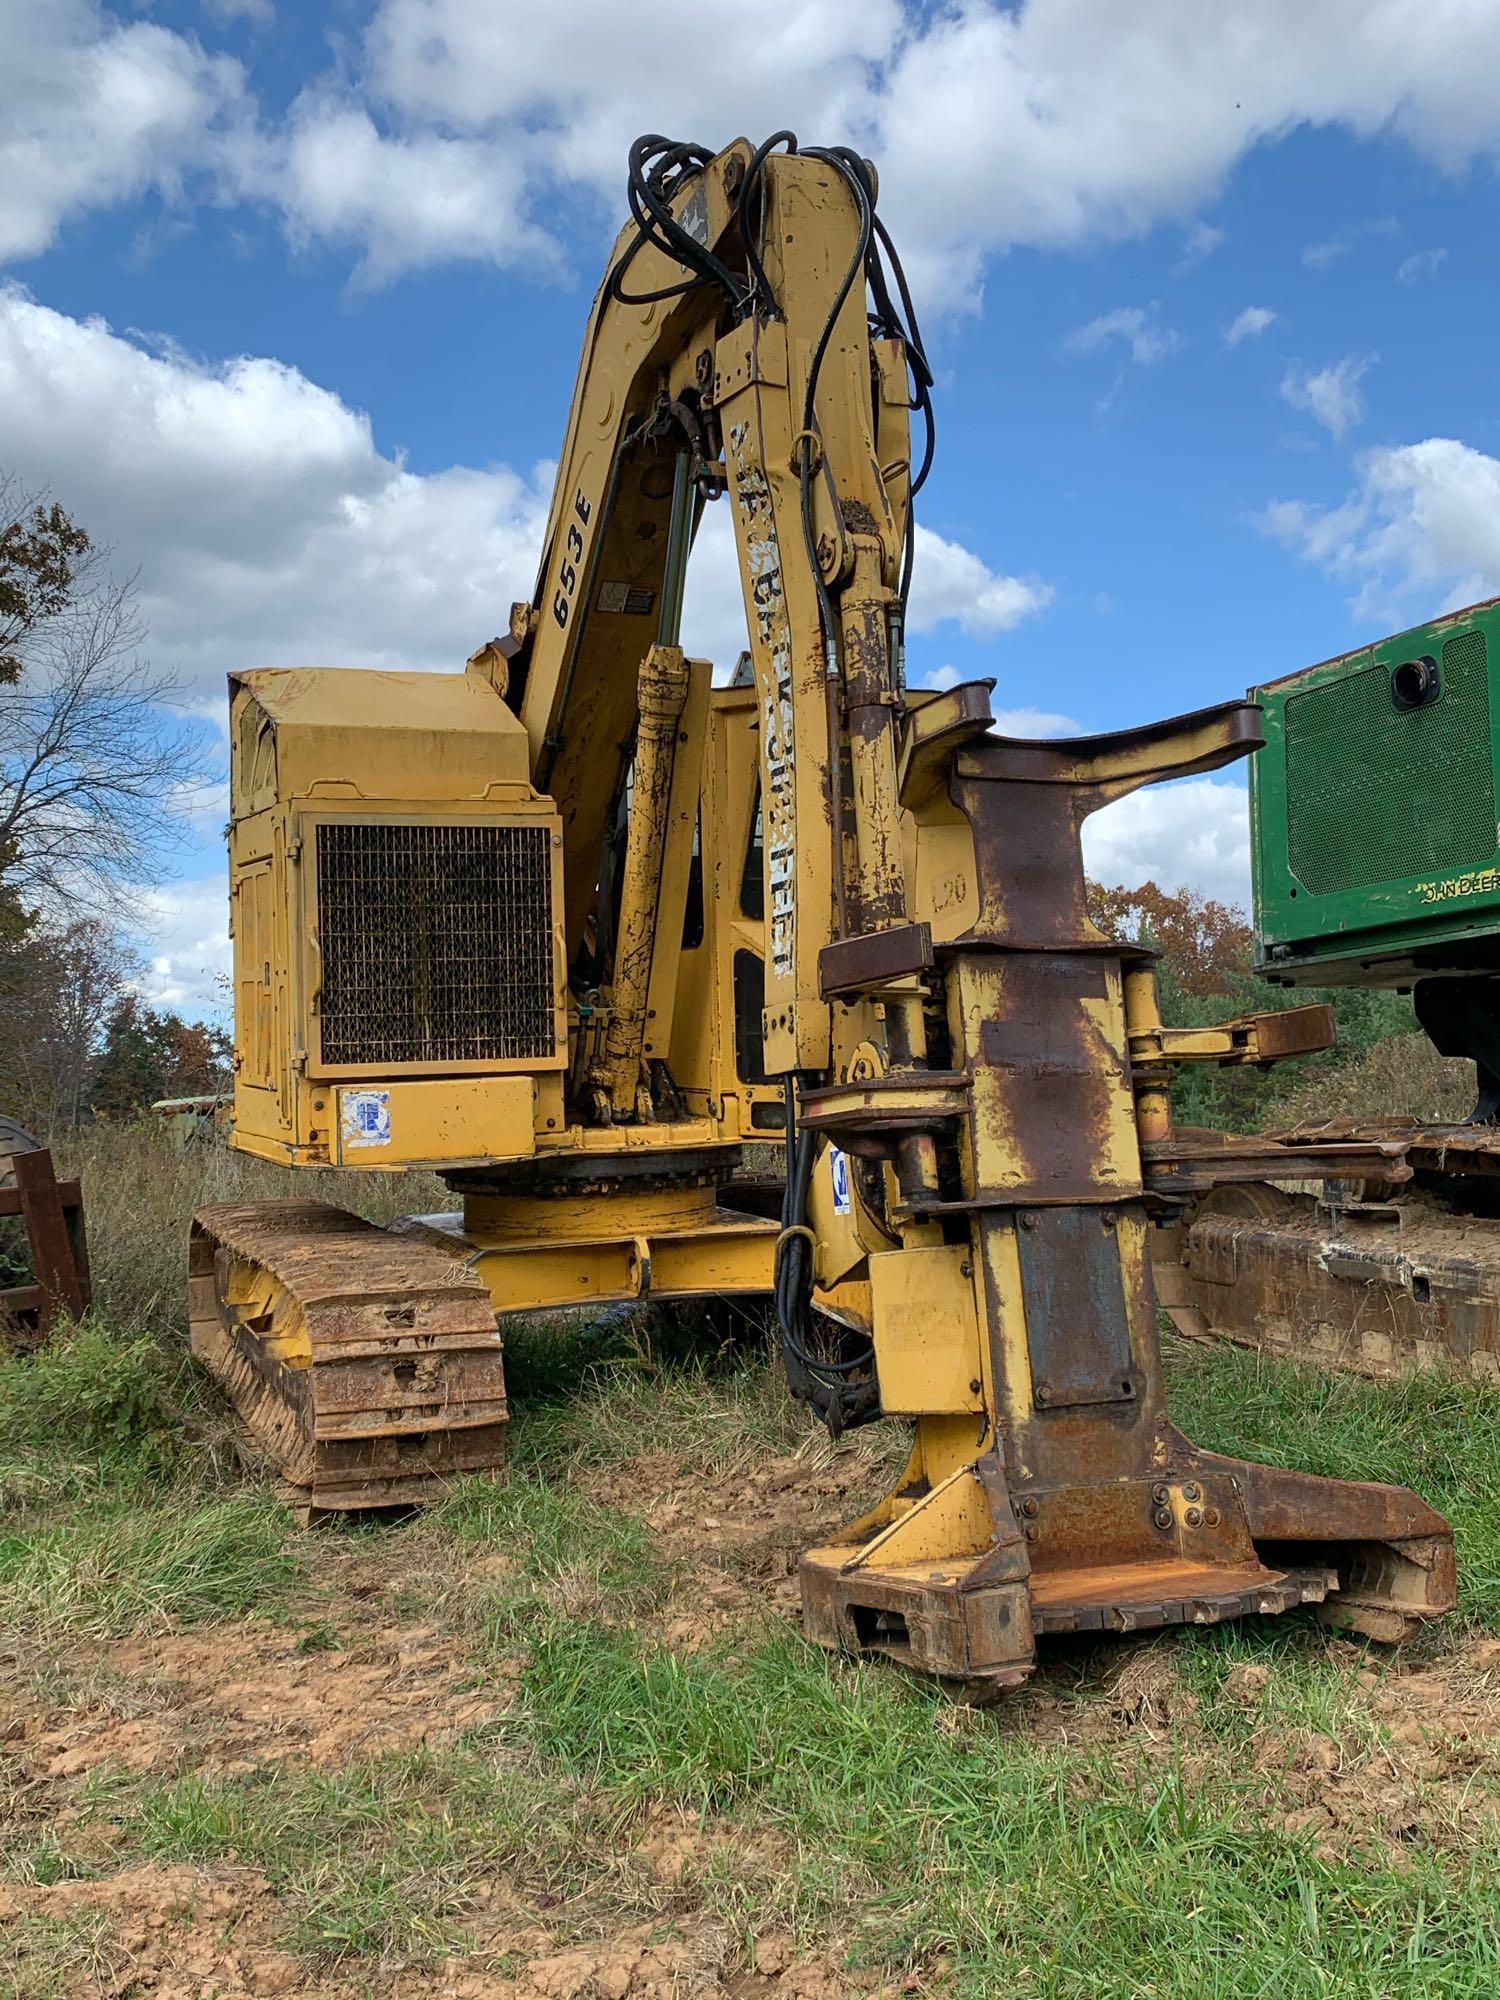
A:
(1384, 1269)
(50, 1213)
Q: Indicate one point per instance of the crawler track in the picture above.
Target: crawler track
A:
(367, 1364)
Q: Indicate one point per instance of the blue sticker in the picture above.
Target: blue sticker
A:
(839, 1162)
(366, 1117)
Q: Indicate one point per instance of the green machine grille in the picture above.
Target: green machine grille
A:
(1351, 757)
(1374, 807)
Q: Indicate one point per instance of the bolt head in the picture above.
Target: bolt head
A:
(1030, 1507)
(1041, 1395)
(1163, 1517)
(1191, 1492)
(1194, 1517)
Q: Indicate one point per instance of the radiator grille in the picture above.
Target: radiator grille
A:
(1377, 794)
(436, 942)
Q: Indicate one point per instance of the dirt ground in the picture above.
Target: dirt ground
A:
(357, 1683)
(355, 1678)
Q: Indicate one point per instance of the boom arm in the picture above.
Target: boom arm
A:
(783, 395)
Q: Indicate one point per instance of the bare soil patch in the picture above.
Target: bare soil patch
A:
(232, 1697)
(737, 1535)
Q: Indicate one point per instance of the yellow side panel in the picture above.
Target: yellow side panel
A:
(253, 954)
(432, 1123)
(926, 1332)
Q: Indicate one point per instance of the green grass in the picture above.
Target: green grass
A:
(714, 1420)
(573, 1558)
(1062, 1871)
(382, 1858)
(130, 1567)
(91, 1410)
(122, 1503)
(1073, 1871)
(44, 1958)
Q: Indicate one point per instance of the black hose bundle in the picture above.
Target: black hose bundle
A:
(657, 169)
(839, 1386)
(885, 319)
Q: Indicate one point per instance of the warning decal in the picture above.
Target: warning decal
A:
(626, 597)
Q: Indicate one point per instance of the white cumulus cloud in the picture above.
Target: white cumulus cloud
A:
(1248, 325)
(950, 582)
(1202, 241)
(266, 525)
(1136, 328)
(1192, 834)
(402, 201)
(259, 13)
(183, 938)
(469, 128)
(1421, 264)
(1330, 396)
(95, 111)
(1319, 256)
(1034, 722)
(1419, 532)
(951, 585)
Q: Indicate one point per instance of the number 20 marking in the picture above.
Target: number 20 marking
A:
(567, 578)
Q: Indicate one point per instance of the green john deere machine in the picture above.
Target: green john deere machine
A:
(1376, 857)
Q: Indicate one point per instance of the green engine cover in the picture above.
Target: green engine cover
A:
(1376, 853)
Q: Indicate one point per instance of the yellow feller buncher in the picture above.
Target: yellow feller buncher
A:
(591, 937)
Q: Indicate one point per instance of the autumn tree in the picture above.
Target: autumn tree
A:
(78, 1042)
(1205, 944)
(41, 552)
(58, 988)
(95, 767)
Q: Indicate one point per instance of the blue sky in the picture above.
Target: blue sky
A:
(291, 299)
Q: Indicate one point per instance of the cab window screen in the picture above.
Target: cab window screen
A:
(692, 915)
(753, 874)
(749, 1005)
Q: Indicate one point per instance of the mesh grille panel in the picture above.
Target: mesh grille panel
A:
(1375, 793)
(437, 943)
